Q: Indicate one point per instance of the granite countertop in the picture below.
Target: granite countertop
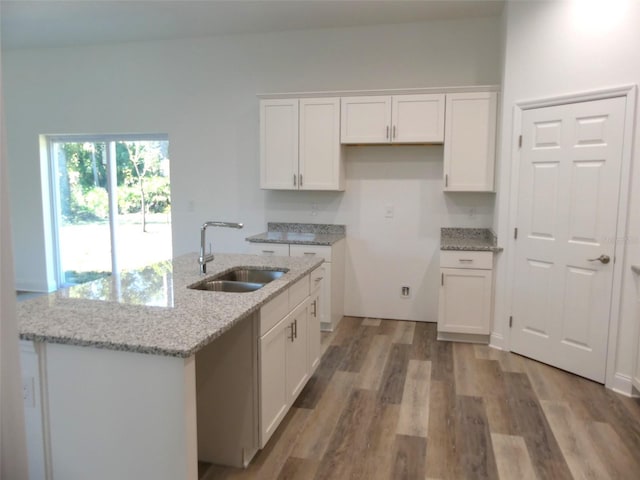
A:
(300, 233)
(151, 310)
(470, 239)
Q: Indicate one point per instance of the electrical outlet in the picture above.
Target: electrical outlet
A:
(388, 211)
(314, 209)
(405, 291)
(28, 392)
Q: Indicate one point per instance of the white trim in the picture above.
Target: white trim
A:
(613, 380)
(621, 384)
(390, 91)
(496, 340)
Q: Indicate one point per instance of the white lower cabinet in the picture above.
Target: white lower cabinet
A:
(332, 295)
(286, 350)
(466, 294)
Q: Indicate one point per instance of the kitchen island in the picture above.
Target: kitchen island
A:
(122, 361)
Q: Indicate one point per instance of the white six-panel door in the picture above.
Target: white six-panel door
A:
(567, 213)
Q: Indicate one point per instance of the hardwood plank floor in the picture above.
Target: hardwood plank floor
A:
(389, 401)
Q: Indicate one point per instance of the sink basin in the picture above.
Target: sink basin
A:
(239, 280)
(227, 286)
(253, 275)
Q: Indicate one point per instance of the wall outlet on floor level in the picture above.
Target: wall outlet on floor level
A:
(405, 291)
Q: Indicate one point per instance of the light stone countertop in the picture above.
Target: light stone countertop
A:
(300, 233)
(151, 310)
(469, 239)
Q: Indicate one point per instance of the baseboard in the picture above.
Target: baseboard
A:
(31, 286)
(621, 384)
(496, 340)
(463, 337)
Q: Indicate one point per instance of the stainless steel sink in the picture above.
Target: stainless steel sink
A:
(253, 275)
(239, 280)
(227, 286)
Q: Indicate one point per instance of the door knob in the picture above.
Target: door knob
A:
(602, 258)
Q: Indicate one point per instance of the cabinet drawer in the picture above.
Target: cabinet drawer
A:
(316, 277)
(298, 292)
(273, 312)
(323, 251)
(466, 259)
(273, 249)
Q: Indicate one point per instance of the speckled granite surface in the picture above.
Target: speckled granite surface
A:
(151, 310)
(300, 233)
(471, 239)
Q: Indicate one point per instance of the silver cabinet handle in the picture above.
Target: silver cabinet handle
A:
(318, 279)
(602, 259)
(300, 182)
(394, 131)
(446, 180)
(315, 308)
(294, 179)
(309, 253)
(465, 260)
(295, 328)
(291, 337)
(387, 134)
(268, 251)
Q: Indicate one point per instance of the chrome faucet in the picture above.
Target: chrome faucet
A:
(203, 259)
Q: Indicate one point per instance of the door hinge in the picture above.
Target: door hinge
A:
(510, 321)
(515, 233)
(520, 141)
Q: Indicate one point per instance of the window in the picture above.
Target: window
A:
(111, 204)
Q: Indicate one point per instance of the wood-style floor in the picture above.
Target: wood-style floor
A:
(391, 402)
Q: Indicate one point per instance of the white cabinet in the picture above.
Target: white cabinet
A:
(393, 119)
(469, 142)
(332, 293)
(466, 293)
(300, 144)
(314, 318)
(284, 344)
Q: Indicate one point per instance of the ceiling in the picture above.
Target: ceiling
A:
(57, 23)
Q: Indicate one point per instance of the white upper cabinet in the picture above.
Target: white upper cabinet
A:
(366, 119)
(393, 119)
(279, 144)
(320, 160)
(300, 144)
(469, 146)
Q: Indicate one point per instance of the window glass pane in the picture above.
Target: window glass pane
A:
(144, 203)
(83, 211)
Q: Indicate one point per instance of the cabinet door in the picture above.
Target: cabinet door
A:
(417, 119)
(320, 160)
(274, 400)
(366, 119)
(465, 301)
(314, 330)
(279, 144)
(469, 142)
(297, 372)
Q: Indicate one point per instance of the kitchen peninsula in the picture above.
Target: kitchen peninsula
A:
(127, 367)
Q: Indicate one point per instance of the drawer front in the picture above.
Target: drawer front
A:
(316, 278)
(298, 292)
(272, 249)
(466, 259)
(322, 251)
(273, 312)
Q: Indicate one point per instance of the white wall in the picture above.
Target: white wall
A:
(555, 48)
(202, 93)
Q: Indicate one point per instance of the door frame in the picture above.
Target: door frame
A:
(618, 382)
